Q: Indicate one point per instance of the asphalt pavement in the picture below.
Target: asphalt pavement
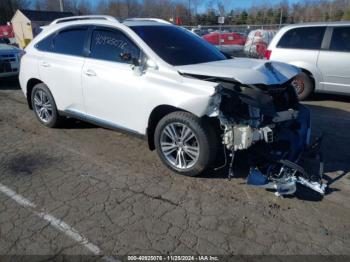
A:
(85, 190)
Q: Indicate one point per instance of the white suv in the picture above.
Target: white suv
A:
(162, 82)
(320, 50)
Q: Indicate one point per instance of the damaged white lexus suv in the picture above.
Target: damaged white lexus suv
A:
(161, 82)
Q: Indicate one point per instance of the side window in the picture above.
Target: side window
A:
(45, 44)
(70, 41)
(340, 39)
(113, 45)
(303, 38)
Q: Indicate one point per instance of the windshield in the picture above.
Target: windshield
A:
(177, 46)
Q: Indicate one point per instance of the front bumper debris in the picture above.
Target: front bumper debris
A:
(280, 147)
(273, 128)
(289, 174)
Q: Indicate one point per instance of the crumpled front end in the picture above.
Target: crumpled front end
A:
(268, 123)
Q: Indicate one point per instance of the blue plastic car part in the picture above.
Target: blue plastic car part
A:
(256, 178)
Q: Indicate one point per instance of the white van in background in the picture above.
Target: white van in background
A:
(321, 50)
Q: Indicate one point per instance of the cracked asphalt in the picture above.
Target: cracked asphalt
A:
(117, 194)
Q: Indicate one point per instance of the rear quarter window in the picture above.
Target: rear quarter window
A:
(340, 39)
(303, 38)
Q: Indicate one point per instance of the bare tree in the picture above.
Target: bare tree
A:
(261, 12)
(221, 8)
(102, 7)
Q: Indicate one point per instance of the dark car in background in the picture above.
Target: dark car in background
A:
(5, 41)
(9, 60)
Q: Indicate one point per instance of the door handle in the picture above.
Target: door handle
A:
(90, 72)
(45, 64)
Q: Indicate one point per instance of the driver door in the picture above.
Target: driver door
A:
(110, 85)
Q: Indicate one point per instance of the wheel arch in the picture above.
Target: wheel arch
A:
(156, 115)
(161, 111)
(312, 71)
(310, 75)
(30, 85)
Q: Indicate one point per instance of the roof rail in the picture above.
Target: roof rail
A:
(149, 19)
(84, 17)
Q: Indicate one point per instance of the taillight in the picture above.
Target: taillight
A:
(267, 54)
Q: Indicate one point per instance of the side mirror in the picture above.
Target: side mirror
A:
(151, 64)
(139, 66)
(135, 61)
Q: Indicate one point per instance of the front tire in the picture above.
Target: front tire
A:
(303, 86)
(44, 106)
(185, 143)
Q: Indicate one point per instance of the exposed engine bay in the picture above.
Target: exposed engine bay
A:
(269, 123)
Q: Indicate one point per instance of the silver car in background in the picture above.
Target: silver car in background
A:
(320, 50)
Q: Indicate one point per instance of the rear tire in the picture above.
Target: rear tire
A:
(303, 85)
(44, 106)
(185, 143)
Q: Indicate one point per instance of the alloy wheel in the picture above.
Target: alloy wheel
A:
(43, 106)
(179, 145)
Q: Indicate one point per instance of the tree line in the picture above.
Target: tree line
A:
(194, 12)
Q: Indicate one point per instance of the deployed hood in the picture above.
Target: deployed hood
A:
(244, 70)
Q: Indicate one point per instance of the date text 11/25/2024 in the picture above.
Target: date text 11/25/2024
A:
(173, 258)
